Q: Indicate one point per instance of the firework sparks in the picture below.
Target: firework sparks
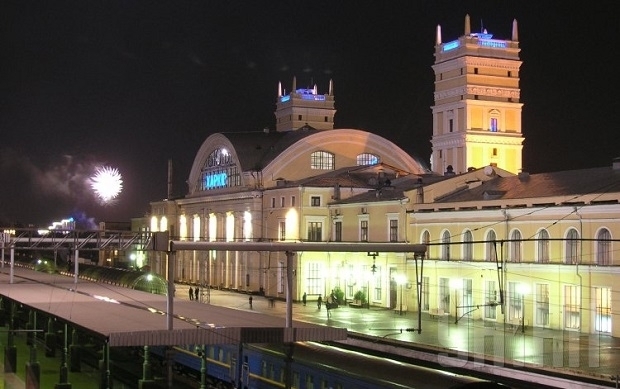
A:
(107, 184)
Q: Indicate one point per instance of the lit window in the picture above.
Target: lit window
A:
(322, 160)
(315, 231)
(282, 230)
(364, 230)
(367, 159)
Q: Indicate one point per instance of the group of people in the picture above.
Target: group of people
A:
(194, 293)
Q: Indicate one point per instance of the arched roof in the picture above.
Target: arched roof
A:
(287, 154)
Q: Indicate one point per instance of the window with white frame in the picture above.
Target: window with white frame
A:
(490, 300)
(393, 230)
(572, 247)
(367, 159)
(315, 231)
(542, 305)
(542, 246)
(364, 230)
(603, 247)
(313, 278)
(444, 294)
(572, 307)
(322, 160)
(602, 297)
(282, 230)
(491, 252)
(515, 246)
(445, 245)
(468, 246)
(338, 231)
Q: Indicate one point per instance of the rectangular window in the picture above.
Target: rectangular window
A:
(338, 231)
(292, 201)
(425, 293)
(313, 282)
(572, 307)
(542, 304)
(282, 230)
(493, 125)
(444, 294)
(315, 201)
(315, 231)
(490, 299)
(273, 202)
(602, 321)
(282, 202)
(364, 230)
(515, 299)
(451, 125)
(393, 230)
(299, 117)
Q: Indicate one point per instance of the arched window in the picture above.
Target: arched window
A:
(322, 160)
(572, 247)
(367, 159)
(515, 246)
(542, 246)
(491, 254)
(468, 246)
(426, 239)
(445, 247)
(603, 247)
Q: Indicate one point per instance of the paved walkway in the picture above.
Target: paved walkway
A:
(590, 355)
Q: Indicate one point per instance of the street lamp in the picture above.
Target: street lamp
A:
(401, 279)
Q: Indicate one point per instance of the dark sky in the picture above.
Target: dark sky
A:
(131, 84)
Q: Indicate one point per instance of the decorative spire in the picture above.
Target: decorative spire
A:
(294, 85)
(467, 26)
(438, 37)
(280, 89)
(515, 31)
(331, 87)
(315, 90)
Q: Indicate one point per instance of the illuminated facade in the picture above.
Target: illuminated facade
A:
(540, 246)
(545, 241)
(278, 186)
(477, 111)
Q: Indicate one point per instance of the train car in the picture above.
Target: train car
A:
(314, 365)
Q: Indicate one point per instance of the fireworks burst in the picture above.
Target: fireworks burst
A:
(107, 184)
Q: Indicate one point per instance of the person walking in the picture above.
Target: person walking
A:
(319, 302)
(250, 301)
(304, 298)
(196, 293)
(191, 293)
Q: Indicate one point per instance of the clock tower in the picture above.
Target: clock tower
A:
(477, 108)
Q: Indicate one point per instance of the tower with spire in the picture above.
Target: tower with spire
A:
(305, 106)
(476, 111)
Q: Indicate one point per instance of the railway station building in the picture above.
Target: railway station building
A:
(503, 245)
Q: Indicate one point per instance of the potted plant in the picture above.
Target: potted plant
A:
(359, 298)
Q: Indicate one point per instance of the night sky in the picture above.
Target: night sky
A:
(132, 84)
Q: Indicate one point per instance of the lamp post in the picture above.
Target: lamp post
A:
(523, 289)
(400, 280)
